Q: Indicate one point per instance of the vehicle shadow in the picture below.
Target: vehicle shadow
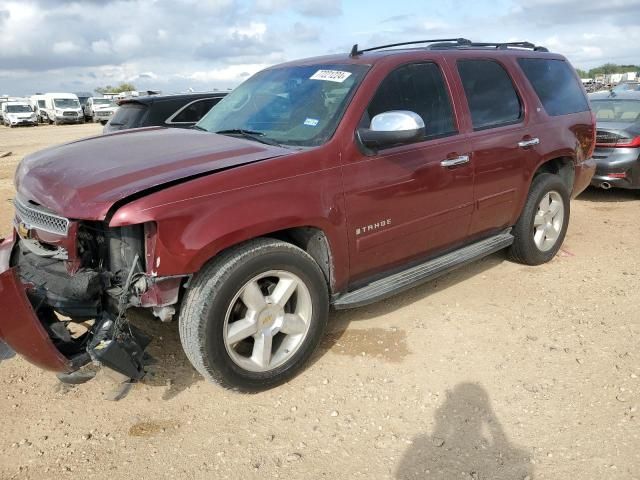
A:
(171, 369)
(467, 442)
(339, 321)
(599, 195)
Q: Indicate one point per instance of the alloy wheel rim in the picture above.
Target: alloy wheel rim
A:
(267, 321)
(548, 221)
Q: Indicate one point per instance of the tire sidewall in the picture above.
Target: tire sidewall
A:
(213, 317)
(542, 185)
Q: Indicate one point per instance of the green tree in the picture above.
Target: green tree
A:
(582, 73)
(123, 87)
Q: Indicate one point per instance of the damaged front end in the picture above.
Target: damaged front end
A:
(66, 287)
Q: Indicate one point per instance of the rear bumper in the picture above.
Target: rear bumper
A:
(584, 172)
(621, 170)
(20, 327)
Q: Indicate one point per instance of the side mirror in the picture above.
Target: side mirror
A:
(392, 128)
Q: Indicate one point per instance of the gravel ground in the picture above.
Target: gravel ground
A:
(495, 371)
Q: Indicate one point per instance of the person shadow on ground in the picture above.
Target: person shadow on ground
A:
(467, 443)
(5, 352)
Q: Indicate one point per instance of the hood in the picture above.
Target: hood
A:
(84, 179)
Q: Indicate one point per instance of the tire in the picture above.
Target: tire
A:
(216, 296)
(533, 245)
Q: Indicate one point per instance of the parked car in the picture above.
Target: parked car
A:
(100, 109)
(61, 108)
(332, 181)
(627, 87)
(617, 152)
(181, 110)
(15, 114)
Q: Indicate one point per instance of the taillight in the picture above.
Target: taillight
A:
(611, 140)
(628, 142)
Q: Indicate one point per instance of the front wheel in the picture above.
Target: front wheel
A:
(543, 223)
(252, 318)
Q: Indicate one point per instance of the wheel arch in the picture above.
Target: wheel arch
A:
(311, 239)
(562, 166)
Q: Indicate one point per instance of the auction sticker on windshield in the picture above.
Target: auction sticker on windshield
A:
(330, 75)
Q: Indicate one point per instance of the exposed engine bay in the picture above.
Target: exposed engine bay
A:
(81, 278)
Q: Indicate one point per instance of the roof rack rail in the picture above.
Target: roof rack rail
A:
(506, 45)
(449, 43)
(458, 42)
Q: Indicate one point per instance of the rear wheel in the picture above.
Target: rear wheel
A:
(543, 223)
(253, 317)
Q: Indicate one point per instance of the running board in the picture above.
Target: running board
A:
(401, 281)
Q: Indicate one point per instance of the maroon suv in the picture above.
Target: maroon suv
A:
(331, 181)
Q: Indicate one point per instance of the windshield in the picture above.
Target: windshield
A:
(18, 109)
(104, 101)
(298, 106)
(626, 111)
(66, 103)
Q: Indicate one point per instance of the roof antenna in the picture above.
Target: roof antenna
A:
(354, 50)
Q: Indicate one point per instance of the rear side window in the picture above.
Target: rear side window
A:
(419, 88)
(128, 115)
(490, 94)
(555, 84)
(194, 111)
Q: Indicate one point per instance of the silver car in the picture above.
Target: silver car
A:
(617, 151)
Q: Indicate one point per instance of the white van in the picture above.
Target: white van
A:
(18, 113)
(61, 108)
(38, 103)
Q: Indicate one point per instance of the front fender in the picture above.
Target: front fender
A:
(194, 225)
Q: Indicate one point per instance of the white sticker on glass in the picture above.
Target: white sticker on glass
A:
(331, 75)
(312, 122)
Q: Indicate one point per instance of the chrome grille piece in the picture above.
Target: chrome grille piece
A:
(35, 218)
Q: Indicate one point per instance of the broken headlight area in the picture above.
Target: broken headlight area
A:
(82, 299)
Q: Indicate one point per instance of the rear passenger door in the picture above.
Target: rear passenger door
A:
(499, 125)
(404, 202)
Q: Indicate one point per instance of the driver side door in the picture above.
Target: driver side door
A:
(407, 202)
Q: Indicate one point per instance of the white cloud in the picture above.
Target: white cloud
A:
(65, 47)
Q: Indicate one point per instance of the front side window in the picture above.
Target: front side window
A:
(194, 111)
(419, 88)
(41, 104)
(66, 103)
(290, 105)
(490, 94)
(555, 84)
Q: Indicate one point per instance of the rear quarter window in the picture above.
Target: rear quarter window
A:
(556, 85)
(128, 115)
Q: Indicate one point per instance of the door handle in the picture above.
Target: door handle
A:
(529, 142)
(453, 162)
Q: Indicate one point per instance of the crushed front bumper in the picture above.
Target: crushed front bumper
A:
(20, 327)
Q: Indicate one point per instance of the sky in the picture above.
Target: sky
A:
(176, 45)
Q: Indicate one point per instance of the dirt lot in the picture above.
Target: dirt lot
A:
(496, 371)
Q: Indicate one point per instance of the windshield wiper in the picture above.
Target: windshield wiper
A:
(198, 127)
(250, 134)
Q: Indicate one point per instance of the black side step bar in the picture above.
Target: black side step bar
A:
(401, 281)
